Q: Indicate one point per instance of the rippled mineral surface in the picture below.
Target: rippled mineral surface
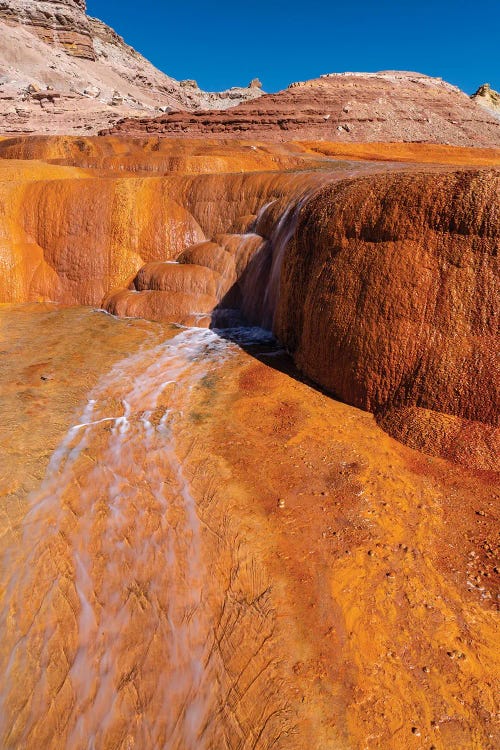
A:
(213, 537)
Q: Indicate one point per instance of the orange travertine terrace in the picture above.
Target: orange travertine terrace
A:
(338, 488)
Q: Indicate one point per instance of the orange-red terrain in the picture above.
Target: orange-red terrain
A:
(208, 541)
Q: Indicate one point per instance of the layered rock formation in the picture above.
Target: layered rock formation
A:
(64, 72)
(61, 23)
(348, 107)
(487, 98)
(70, 235)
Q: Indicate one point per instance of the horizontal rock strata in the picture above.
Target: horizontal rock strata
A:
(76, 75)
(350, 107)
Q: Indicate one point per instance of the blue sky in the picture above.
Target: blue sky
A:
(225, 44)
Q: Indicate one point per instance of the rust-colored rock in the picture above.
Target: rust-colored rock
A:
(348, 107)
(73, 235)
(382, 271)
(389, 293)
(200, 550)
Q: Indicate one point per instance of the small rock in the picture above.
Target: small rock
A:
(92, 91)
(454, 654)
(281, 503)
(117, 99)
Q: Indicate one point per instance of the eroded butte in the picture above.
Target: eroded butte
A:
(216, 537)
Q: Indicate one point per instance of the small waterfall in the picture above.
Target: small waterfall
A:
(260, 283)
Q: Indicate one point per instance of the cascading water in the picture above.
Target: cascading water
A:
(112, 649)
(260, 282)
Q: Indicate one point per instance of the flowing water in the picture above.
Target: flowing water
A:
(111, 563)
(261, 280)
(107, 630)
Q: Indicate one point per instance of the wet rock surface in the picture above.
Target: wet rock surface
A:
(303, 581)
(378, 276)
(387, 290)
(201, 546)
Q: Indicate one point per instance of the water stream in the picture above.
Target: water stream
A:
(114, 531)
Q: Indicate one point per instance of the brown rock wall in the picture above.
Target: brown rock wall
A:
(61, 23)
(389, 292)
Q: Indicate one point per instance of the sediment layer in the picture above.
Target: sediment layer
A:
(348, 583)
(76, 75)
(348, 108)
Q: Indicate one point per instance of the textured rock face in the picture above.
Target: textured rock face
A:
(350, 107)
(357, 612)
(62, 23)
(63, 72)
(487, 98)
(379, 276)
(72, 236)
(389, 292)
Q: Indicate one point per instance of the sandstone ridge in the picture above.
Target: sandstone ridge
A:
(348, 107)
(487, 98)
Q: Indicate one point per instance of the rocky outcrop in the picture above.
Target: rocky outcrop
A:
(75, 74)
(59, 23)
(487, 98)
(71, 236)
(388, 299)
(349, 107)
(379, 277)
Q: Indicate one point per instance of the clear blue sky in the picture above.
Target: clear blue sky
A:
(223, 44)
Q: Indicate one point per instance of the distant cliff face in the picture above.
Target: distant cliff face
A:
(487, 98)
(348, 107)
(64, 72)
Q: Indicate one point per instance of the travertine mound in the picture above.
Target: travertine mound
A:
(349, 107)
(380, 277)
(64, 72)
(389, 297)
(74, 233)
